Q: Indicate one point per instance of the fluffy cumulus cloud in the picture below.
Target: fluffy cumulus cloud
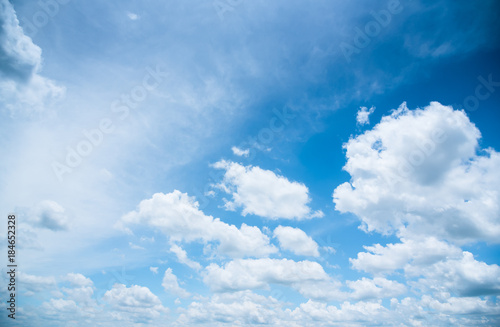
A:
(171, 285)
(78, 280)
(134, 303)
(409, 253)
(22, 89)
(296, 241)
(361, 313)
(426, 311)
(178, 216)
(263, 193)
(73, 303)
(461, 306)
(417, 172)
(460, 276)
(235, 309)
(307, 277)
(430, 265)
(240, 152)
(376, 288)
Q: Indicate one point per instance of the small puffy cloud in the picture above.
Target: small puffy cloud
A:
(416, 173)
(363, 115)
(49, 215)
(183, 258)
(22, 89)
(171, 285)
(263, 193)
(239, 152)
(178, 216)
(296, 241)
(78, 280)
(132, 16)
(154, 270)
(135, 303)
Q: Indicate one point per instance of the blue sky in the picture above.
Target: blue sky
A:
(240, 163)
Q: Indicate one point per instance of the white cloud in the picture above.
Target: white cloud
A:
(183, 258)
(386, 259)
(363, 115)
(239, 152)
(135, 303)
(81, 295)
(74, 303)
(462, 306)
(296, 241)
(154, 270)
(178, 216)
(22, 89)
(60, 307)
(132, 16)
(171, 285)
(236, 308)
(35, 283)
(135, 246)
(78, 280)
(360, 312)
(263, 193)
(49, 215)
(376, 288)
(321, 290)
(441, 266)
(463, 276)
(20, 57)
(417, 173)
(307, 277)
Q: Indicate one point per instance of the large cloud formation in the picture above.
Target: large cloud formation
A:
(22, 89)
(418, 172)
(178, 216)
